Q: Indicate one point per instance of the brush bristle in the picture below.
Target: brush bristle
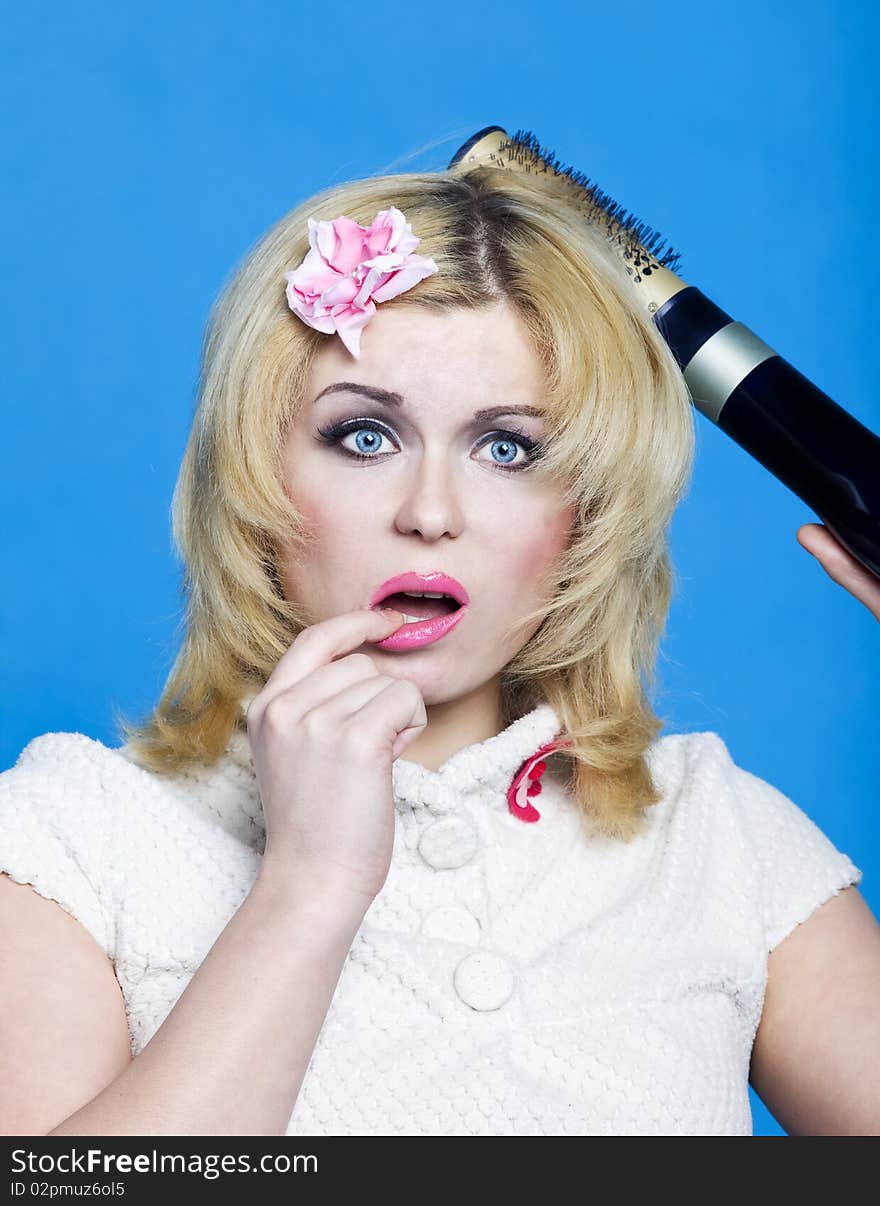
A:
(618, 225)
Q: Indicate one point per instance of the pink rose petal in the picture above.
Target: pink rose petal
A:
(350, 326)
(410, 274)
(349, 268)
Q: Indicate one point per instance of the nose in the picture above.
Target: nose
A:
(430, 504)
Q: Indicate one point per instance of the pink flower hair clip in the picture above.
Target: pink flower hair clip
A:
(349, 268)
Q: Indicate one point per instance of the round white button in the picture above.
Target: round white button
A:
(450, 842)
(452, 923)
(484, 980)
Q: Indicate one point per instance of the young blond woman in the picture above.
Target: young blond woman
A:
(257, 916)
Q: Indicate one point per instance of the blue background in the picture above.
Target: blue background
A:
(147, 151)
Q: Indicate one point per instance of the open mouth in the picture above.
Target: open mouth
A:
(422, 608)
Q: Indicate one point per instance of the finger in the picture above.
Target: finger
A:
(322, 684)
(841, 567)
(336, 710)
(816, 539)
(319, 644)
(400, 705)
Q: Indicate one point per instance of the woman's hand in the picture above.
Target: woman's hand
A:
(324, 733)
(841, 566)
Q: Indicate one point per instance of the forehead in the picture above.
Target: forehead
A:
(483, 355)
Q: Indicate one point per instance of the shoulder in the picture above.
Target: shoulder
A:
(678, 756)
(766, 817)
(58, 806)
(695, 775)
(51, 750)
(757, 835)
(74, 784)
(70, 778)
(699, 770)
(68, 764)
(67, 790)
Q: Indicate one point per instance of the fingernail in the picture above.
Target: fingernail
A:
(392, 614)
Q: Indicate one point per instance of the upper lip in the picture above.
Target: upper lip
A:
(432, 581)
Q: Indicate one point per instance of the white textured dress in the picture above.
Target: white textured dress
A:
(513, 977)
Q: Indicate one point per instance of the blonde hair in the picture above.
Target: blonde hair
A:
(620, 448)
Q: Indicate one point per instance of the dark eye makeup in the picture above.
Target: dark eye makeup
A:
(334, 433)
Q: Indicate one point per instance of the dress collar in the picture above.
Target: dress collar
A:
(505, 769)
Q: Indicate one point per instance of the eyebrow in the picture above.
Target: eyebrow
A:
(390, 398)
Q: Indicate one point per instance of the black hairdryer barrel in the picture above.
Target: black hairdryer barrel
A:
(815, 447)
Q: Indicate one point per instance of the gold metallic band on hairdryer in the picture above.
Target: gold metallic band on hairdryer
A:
(724, 360)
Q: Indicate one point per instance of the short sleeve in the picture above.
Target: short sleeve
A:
(53, 830)
(800, 867)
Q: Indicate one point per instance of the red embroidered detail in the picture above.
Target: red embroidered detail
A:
(527, 782)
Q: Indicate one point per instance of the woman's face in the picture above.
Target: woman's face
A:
(435, 489)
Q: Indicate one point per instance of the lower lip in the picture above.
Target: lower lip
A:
(422, 632)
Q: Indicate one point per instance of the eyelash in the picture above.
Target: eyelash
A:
(334, 433)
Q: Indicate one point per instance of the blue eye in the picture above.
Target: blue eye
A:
(334, 434)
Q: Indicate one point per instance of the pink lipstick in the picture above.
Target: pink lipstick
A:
(422, 630)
